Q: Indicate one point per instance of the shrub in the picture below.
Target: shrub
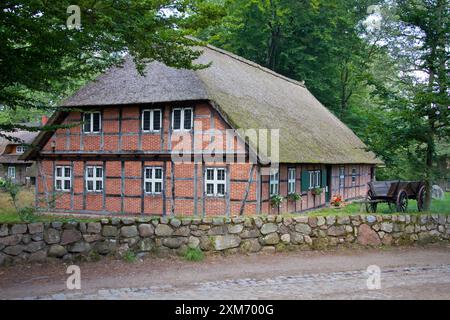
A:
(194, 254)
(276, 200)
(129, 256)
(27, 214)
(317, 191)
(294, 197)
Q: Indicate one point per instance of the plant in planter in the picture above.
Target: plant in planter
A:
(316, 191)
(276, 200)
(336, 200)
(294, 197)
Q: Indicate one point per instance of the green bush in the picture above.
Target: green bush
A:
(27, 214)
(194, 254)
(129, 256)
(276, 200)
(294, 197)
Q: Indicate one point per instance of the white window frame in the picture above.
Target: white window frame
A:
(341, 177)
(292, 172)
(274, 180)
(12, 170)
(152, 115)
(91, 128)
(94, 178)
(21, 149)
(182, 119)
(153, 180)
(314, 179)
(63, 178)
(216, 182)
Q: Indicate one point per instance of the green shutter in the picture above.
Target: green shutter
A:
(305, 180)
(323, 174)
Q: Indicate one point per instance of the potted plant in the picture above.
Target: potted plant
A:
(294, 197)
(276, 200)
(316, 191)
(336, 201)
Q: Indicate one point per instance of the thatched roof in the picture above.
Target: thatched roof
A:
(246, 94)
(27, 137)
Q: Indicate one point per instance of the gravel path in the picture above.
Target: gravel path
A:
(406, 273)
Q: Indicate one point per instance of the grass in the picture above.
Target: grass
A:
(25, 198)
(194, 254)
(437, 206)
(129, 256)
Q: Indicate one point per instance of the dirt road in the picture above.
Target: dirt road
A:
(406, 273)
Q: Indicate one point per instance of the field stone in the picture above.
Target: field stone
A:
(250, 245)
(37, 227)
(38, 236)
(145, 245)
(193, 242)
(312, 221)
(163, 230)
(175, 222)
(18, 229)
(258, 222)
(34, 246)
(218, 230)
(367, 236)
(387, 227)
(39, 256)
(94, 227)
(52, 236)
(286, 238)
(14, 250)
(271, 238)
(70, 236)
(57, 225)
(172, 243)
(129, 231)
(336, 231)
(296, 238)
(79, 247)
(226, 242)
(127, 221)
(92, 237)
(26, 239)
(183, 231)
(146, 230)
(109, 231)
(268, 228)
(303, 228)
(11, 240)
(331, 220)
(105, 247)
(4, 230)
(249, 233)
(235, 228)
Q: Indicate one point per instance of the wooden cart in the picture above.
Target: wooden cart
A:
(396, 194)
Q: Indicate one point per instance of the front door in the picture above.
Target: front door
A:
(328, 184)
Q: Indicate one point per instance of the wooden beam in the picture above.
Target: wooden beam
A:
(247, 189)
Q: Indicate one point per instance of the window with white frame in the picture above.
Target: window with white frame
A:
(12, 172)
(153, 180)
(215, 182)
(341, 177)
(151, 120)
(92, 122)
(353, 175)
(291, 180)
(94, 178)
(314, 179)
(274, 183)
(63, 178)
(21, 149)
(182, 119)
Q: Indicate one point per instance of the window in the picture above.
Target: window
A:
(182, 119)
(353, 175)
(21, 149)
(151, 120)
(63, 176)
(153, 180)
(314, 179)
(291, 180)
(274, 183)
(341, 177)
(215, 182)
(92, 122)
(12, 172)
(94, 179)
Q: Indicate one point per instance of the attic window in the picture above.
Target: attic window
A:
(92, 122)
(182, 119)
(20, 149)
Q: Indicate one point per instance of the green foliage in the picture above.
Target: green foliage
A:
(27, 214)
(194, 254)
(317, 191)
(129, 256)
(12, 189)
(294, 197)
(42, 61)
(276, 200)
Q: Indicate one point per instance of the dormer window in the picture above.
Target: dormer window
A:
(92, 122)
(21, 149)
(182, 119)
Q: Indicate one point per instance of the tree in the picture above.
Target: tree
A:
(42, 58)
(419, 40)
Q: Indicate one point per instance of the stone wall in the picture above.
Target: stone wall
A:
(79, 240)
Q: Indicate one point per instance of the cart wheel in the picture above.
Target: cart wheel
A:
(402, 201)
(421, 198)
(370, 207)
